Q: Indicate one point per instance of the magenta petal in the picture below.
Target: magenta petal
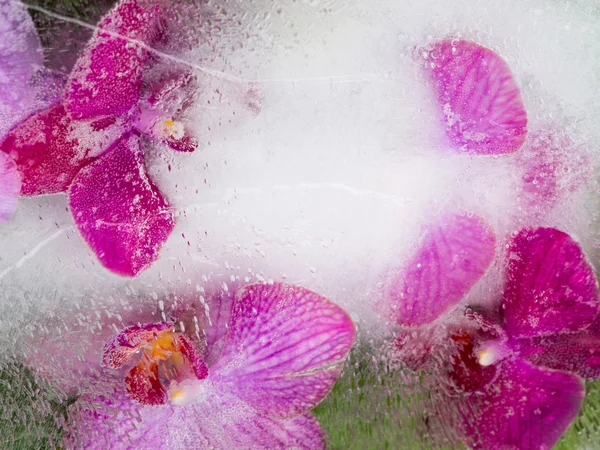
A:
(550, 285)
(107, 78)
(453, 255)
(285, 349)
(526, 408)
(123, 345)
(119, 211)
(222, 422)
(578, 353)
(479, 97)
(10, 186)
(49, 149)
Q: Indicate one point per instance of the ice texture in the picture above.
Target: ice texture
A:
(322, 156)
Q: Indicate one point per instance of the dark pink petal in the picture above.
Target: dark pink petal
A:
(285, 349)
(526, 408)
(578, 353)
(119, 211)
(123, 345)
(10, 186)
(107, 77)
(550, 285)
(221, 421)
(453, 255)
(479, 98)
(49, 149)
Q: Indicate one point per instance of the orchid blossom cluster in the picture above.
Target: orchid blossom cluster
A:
(521, 361)
(121, 96)
(248, 375)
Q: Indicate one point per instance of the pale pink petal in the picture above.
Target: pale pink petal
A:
(107, 78)
(20, 57)
(221, 421)
(114, 420)
(49, 148)
(553, 166)
(10, 186)
(479, 98)
(452, 256)
(119, 211)
(550, 285)
(526, 408)
(285, 349)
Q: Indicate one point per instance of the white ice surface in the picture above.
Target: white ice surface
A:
(331, 182)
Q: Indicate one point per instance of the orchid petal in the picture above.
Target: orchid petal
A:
(285, 349)
(119, 211)
(550, 287)
(49, 148)
(578, 353)
(453, 255)
(107, 78)
(114, 420)
(123, 345)
(526, 408)
(10, 185)
(221, 421)
(479, 97)
(20, 56)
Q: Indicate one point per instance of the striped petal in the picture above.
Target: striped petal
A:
(452, 256)
(480, 99)
(285, 349)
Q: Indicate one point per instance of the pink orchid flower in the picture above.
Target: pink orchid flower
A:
(526, 393)
(525, 363)
(239, 371)
(521, 366)
(118, 98)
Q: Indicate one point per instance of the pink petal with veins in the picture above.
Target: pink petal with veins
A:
(119, 211)
(452, 256)
(479, 97)
(285, 349)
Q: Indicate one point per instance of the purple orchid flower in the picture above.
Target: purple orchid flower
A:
(239, 371)
(92, 144)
